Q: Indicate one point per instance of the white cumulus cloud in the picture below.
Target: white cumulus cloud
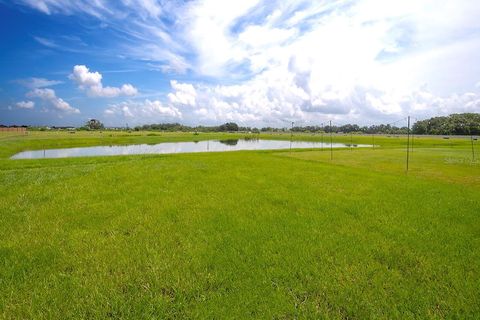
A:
(184, 94)
(91, 82)
(276, 99)
(25, 104)
(143, 111)
(49, 96)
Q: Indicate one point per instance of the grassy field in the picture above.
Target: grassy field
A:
(265, 234)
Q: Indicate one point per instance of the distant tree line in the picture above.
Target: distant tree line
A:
(14, 126)
(233, 127)
(454, 124)
(354, 128)
(226, 127)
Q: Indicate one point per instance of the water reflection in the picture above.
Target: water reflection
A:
(177, 147)
(229, 142)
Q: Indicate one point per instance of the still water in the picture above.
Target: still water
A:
(177, 147)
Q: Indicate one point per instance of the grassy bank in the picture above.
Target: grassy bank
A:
(242, 234)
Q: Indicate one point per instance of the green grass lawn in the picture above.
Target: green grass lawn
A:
(265, 234)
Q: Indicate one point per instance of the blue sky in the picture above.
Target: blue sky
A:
(258, 63)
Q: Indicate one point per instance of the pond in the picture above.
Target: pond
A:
(178, 147)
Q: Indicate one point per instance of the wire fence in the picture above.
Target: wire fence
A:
(327, 128)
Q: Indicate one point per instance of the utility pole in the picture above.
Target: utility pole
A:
(331, 141)
(408, 141)
(413, 137)
(351, 141)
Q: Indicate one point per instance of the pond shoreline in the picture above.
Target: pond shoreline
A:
(179, 147)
